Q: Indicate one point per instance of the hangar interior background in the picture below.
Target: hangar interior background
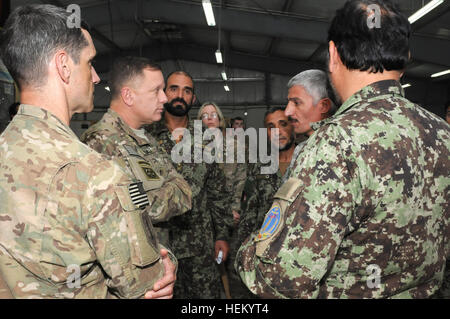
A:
(263, 43)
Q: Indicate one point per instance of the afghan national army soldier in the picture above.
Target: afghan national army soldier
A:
(198, 236)
(260, 188)
(365, 212)
(310, 90)
(69, 227)
(137, 92)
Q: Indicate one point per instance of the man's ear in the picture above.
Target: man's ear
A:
(334, 59)
(194, 99)
(63, 65)
(127, 95)
(325, 107)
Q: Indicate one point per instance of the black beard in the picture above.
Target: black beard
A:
(177, 110)
(333, 94)
(287, 146)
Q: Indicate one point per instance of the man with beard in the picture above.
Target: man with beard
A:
(365, 212)
(137, 98)
(196, 237)
(260, 188)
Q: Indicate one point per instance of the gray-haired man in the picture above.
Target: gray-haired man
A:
(310, 103)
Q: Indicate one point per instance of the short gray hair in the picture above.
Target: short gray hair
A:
(315, 82)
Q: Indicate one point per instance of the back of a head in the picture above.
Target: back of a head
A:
(30, 37)
(363, 44)
(127, 68)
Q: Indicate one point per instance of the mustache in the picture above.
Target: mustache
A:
(178, 99)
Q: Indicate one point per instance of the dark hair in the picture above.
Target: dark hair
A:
(12, 109)
(273, 110)
(237, 118)
(362, 46)
(126, 68)
(31, 35)
(183, 73)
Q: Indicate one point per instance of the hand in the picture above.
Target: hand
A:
(236, 217)
(223, 246)
(163, 288)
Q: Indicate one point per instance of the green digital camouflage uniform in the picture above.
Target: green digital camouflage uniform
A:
(236, 176)
(365, 213)
(66, 210)
(258, 196)
(168, 193)
(193, 234)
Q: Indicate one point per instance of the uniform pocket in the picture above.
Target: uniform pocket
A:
(141, 235)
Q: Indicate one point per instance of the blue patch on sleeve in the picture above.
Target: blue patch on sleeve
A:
(271, 223)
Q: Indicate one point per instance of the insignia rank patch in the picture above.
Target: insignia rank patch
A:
(271, 222)
(148, 171)
(138, 195)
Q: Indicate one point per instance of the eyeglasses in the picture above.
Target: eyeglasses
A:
(206, 116)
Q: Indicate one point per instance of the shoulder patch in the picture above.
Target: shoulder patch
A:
(138, 195)
(271, 223)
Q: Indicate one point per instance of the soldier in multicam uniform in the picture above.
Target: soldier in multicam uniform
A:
(137, 98)
(69, 228)
(197, 236)
(365, 213)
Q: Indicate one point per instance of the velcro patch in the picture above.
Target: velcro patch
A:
(271, 223)
(138, 195)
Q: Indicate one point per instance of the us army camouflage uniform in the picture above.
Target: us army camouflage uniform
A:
(66, 209)
(365, 213)
(193, 234)
(236, 175)
(169, 194)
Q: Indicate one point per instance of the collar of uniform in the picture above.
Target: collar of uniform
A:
(160, 127)
(47, 116)
(385, 87)
(157, 128)
(316, 125)
(125, 127)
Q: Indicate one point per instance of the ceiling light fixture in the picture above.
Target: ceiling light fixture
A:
(406, 85)
(424, 10)
(435, 75)
(107, 88)
(209, 14)
(224, 76)
(219, 56)
(226, 88)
